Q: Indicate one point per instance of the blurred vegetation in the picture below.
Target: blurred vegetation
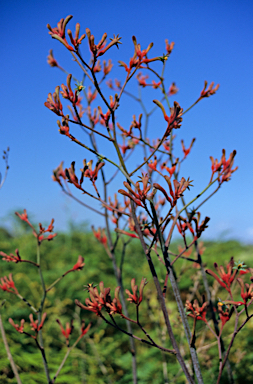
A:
(103, 355)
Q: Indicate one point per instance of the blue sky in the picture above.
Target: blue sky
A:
(213, 42)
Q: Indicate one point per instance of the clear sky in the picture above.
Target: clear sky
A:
(213, 42)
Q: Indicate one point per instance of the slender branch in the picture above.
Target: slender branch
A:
(9, 355)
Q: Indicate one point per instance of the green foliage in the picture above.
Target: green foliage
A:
(103, 355)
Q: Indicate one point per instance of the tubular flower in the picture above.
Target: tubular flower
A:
(175, 118)
(79, 265)
(14, 258)
(67, 92)
(100, 235)
(187, 150)
(168, 46)
(35, 324)
(8, 285)
(156, 85)
(246, 291)
(19, 328)
(224, 167)
(209, 91)
(83, 329)
(54, 103)
(134, 297)
(58, 173)
(115, 306)
(179, 189)
(97, 300)
(140, 195)
(97, 67)
(67, 331)
(101, 47)
(223, 278)
(71, 176)
(58, 32)
(64, 126)
(51, 60)
(88, 172)
(142, 79)
(173, 89)
(76, 41)
(172, 169)
(107, 67)
(135, 123)
(224, 313)
(139, 57)
(195, 311)
(23, 216)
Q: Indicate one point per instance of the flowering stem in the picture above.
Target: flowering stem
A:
(177, 297)
(84, 70)
(152, 154)
(79, 122)
(141, 327)
(9, 355)
(196, 102)
(40, 310)
(56, 281)
(184, 208)
(115, 325)
(65, 358)
(180, 254)
(160, 297)
(27, 303)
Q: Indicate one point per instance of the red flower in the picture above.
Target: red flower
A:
(115, 306)
(210, 90)
(63, 127)
(79, 265)
(140, 195)
(76, 41)
(66, 332)
(179, 189)
(170, 170)
(23, 216)
(173, 89)
(168, 46)
(54, 103)
(88, 172)
(51, 60)
(224, 167)
(175, 118)
(14, 258)
(58, 173)
(100, 235)
(67, 92)
(134, 297)
(59, 31)
(196, 311)
(8, 284)
(96, 300)
(224, 279)
(83, 329)
(19, 328)
(142, 79)
(224, 313)
(35, 324)
(156, 85)
(101, 47)
(187, 150)
(107, 67)
(246, 290)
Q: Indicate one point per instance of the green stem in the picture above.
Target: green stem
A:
(40, 310)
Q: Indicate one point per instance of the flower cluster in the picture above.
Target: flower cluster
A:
(223, 167)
